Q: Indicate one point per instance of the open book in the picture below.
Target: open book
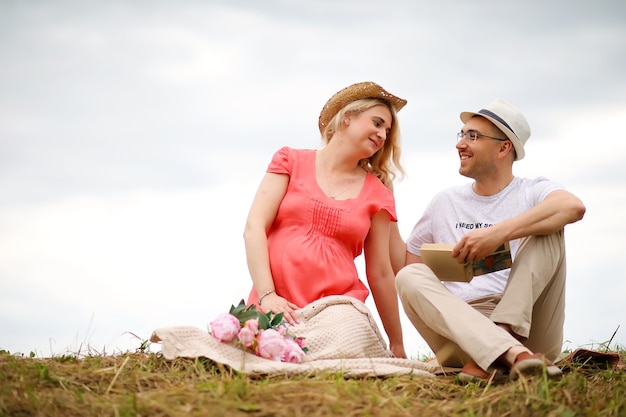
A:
(438, 256)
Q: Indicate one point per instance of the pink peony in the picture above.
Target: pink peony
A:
(292, 353)
(270, 345)
(281, 329)
(273, 343)
(246, 337)
(253, 325)
(301, 342)
(225, 327)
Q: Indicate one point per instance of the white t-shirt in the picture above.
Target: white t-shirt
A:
(458, 210)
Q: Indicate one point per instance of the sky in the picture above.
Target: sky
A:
(133, 136)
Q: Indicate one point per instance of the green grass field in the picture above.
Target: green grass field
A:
(145, 384)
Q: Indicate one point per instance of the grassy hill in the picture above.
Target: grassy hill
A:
(145, 384)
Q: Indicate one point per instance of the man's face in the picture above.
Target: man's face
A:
(478, 157)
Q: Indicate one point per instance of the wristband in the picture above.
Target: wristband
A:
(264, 295)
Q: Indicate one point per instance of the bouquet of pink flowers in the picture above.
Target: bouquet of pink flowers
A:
(263, 334)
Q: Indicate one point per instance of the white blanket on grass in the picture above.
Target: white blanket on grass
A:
(341, 335)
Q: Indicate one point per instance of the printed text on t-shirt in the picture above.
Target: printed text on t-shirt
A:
(470, 226)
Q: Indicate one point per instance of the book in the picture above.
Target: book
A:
(438, 256)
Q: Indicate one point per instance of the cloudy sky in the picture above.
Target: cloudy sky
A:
(133, 136)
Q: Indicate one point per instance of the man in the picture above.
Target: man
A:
(510, 319)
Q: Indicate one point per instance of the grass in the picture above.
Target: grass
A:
(143, 383)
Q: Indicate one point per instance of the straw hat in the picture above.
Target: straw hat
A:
(508, 119)
(358, 91)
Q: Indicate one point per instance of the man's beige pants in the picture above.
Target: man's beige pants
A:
(532, 306)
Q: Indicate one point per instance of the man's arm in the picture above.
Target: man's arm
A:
(397, 248)
(557, 210)
(400, 256)
(412, 258)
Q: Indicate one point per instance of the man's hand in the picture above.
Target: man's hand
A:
(477, 244)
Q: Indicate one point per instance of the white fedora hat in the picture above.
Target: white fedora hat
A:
(508, 119)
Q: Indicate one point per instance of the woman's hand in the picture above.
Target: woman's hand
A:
(277, 304)
(398, 351)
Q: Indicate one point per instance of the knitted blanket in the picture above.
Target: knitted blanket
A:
(340, 333)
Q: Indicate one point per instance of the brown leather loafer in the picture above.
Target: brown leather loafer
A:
(536, 364)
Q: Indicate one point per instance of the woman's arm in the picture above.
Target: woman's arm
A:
(260, 218)
(397, 245)
(381, 280)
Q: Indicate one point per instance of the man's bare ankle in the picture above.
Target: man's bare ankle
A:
(510, 355)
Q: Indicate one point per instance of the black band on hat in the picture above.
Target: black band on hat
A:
(498, 118)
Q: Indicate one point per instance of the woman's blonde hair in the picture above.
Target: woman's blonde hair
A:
(385, 163)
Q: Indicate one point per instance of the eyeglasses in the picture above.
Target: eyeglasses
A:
(472, 136)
